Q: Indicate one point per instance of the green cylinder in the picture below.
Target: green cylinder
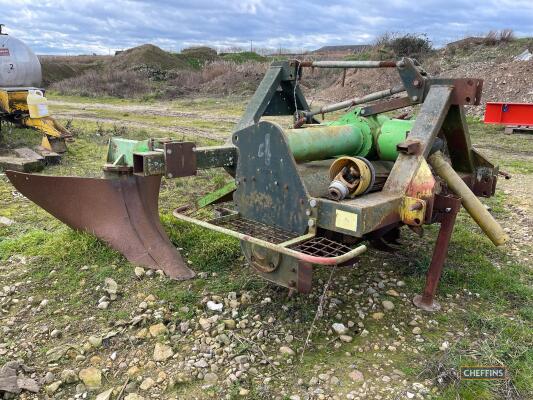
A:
(350, 135)
(393, 132)
(321, 142)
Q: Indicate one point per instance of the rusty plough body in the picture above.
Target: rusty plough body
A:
(311, 195)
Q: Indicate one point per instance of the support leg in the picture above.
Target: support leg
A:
(446, 209)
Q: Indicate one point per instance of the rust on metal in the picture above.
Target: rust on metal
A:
(123, 212)
(410, 146)
(305, 277)
(343, 64)
(385, 106)
(466, 91)
(446, 209)
(180, 159)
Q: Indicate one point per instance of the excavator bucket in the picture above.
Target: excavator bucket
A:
(123, 212)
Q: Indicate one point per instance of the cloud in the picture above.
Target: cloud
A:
(87, 26)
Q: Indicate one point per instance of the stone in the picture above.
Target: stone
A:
(8, 380)
(49, 377)
(356, 376)
(388, 305)
(52, 388)
(103, 305)
(28, 384)
(244, 392)
(286, 351)
(95, 341)
(229, 324)
(211, 305)
(444, 346)
(378, 315)
(345, 338)
(158, 329)
(400, 283)
(133, 371)
(162, 352)
(339, 329)
(184, 326)
(211, 378)
(393, 293)
(139, 272)
(246, 298)
(69, 376)
(147, 384)
(417, 330)
(111, 287)
(201, 364)
(105, 395)
(91, 377)
(364, 333)
(205, 324)
(410, 395)
(55, 334)
(133, 396)
(6, 221)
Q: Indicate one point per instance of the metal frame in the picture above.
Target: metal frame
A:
(273, 190)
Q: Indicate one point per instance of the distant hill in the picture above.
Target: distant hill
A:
(352, 48)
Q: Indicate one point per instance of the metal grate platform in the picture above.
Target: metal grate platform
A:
(321, 247)
(256, 229)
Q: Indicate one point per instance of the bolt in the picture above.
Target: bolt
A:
(363, 111)
(311, 223)
(169, 151)
(312, 203)
(308, 213)
(416, 83)
(169, 175)
(276, 183)
(414, 98)
(447, 209)
(400, 64)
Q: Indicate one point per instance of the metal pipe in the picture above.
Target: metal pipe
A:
(283, 250)
(320, 142)
(469, 200)
(355, 101)
(346, 64)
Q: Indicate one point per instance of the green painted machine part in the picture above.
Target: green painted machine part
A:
(374, 137)
(287, 209)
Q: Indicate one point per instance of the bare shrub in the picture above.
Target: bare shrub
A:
(506, 35)
(491, 38)
(394, 45)
(112, 82)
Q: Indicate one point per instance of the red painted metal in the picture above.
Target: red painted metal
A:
(509, 114)
(446, 209)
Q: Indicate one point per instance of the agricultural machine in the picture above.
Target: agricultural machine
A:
(314, 194)
(516, 117)
(22, 102)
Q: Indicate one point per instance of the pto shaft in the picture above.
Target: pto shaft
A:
(469, 200)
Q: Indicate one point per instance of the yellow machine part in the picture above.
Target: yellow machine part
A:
(365, 175)
(13, 101)
(469, 200)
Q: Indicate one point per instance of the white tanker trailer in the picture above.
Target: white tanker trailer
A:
(22, 101)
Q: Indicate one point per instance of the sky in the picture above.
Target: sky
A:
(85, 27)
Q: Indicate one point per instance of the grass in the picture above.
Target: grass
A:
(495, 320)
(244, 56)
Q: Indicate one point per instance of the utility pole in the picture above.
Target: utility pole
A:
(251, 46)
